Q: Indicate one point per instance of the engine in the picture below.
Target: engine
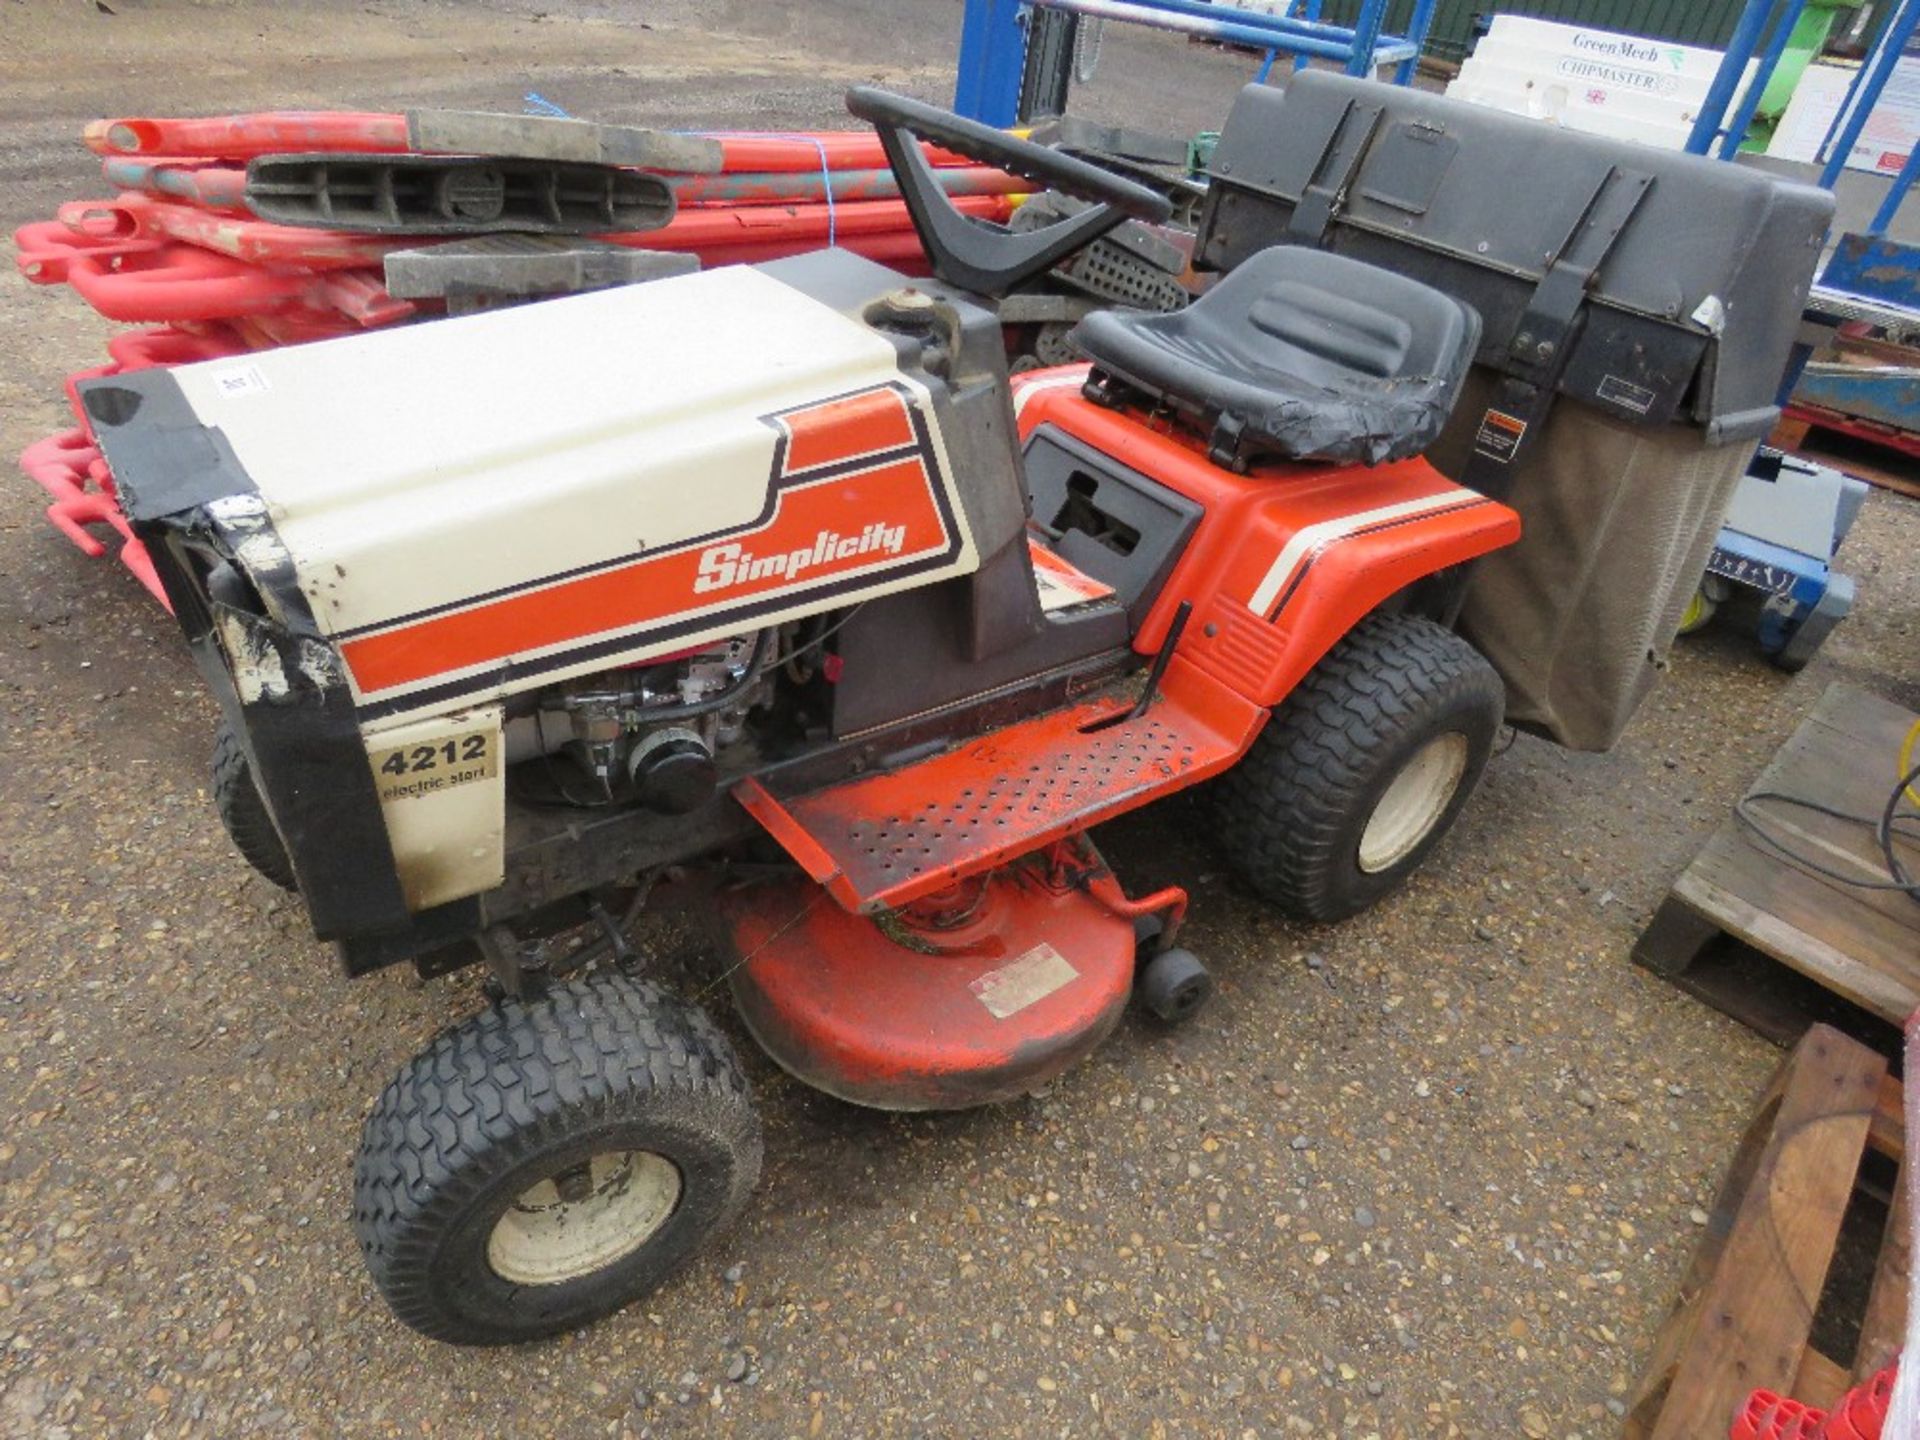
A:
(647, 734)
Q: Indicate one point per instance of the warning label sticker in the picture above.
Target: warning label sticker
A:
(1034, 976)
(1500, 435)
(1626, 394)
(1061, 585)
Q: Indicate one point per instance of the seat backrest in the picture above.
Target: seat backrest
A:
(1348, 332)
(1333, 313)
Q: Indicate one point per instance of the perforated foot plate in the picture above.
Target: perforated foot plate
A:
(884, 840)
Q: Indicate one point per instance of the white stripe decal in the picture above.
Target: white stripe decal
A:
(1053, 382)
(1313, 538)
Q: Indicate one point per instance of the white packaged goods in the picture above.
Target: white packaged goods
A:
(1599, 81)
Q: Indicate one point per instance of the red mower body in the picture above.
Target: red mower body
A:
(1288, 557)
(850, 983)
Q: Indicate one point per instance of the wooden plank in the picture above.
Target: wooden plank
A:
(1676, 934)
(1749, 866)
(1862, 944)
(1889, 1133)
(1862, 981)
(1843, 759)
(1883, 1326)
(1869, 352)
(1677, 1332)
(1890, 470)
(1750, 1321)
(1857, 712)
(1819, 1381)
(1789, 433)
(1844, 916)
(1869, 452)
(1861, 922)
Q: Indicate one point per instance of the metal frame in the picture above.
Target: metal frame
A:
(993, 41)
(1708, 126)
(1774, 20)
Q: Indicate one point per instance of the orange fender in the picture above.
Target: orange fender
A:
(1289, 557)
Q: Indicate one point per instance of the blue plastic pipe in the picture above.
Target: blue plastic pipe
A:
(1363, 56)
(993, 52)
(1312, 13)
(1253, 30)
(1417, 27)
(1277, 25)
(1740, 48)
(1736, 133)
(993, 41)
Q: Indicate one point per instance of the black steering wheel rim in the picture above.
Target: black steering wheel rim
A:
(1047, 168)
(979, 257)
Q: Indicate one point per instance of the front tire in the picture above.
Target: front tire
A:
(244, 813)
(1363, 768)
(551, 1160)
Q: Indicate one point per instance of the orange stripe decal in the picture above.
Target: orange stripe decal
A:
(845, 429)
(869, 520)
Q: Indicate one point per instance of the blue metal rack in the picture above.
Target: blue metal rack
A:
(993, 41)
(1868, 277)
(1774, 20)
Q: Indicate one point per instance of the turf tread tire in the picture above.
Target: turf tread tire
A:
(1292, 811)
(607, 1055)
(244, 813)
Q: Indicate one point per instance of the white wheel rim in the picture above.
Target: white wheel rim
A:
(584, 1219)
(1414, 803)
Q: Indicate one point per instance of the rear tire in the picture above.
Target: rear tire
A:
(551, 1160)
(244, 812)
(1363, 768)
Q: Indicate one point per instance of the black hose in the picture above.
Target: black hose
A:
(756, 667)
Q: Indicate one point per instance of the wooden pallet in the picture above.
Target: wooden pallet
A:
(1747, 1306)
(1862, 945)
(1877, 454)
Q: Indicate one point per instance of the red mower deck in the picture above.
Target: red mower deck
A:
(996, 986)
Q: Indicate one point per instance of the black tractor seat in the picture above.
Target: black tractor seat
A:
(1297, 353)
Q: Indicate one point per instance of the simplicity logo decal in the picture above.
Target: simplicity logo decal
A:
(725, 565)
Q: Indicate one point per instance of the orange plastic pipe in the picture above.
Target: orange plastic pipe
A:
(241, 137)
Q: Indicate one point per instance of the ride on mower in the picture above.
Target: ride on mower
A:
(512, 617)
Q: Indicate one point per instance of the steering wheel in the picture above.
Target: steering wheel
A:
(987, 259)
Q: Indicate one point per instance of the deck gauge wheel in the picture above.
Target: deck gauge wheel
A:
(1173, 985)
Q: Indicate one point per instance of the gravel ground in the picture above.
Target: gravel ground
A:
(1433, 1172)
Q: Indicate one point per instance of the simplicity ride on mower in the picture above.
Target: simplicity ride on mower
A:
(513, 616)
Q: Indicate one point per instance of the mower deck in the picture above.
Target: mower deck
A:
(996, 988)
(885, 840)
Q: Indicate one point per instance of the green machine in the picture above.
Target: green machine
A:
(1805, 42)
